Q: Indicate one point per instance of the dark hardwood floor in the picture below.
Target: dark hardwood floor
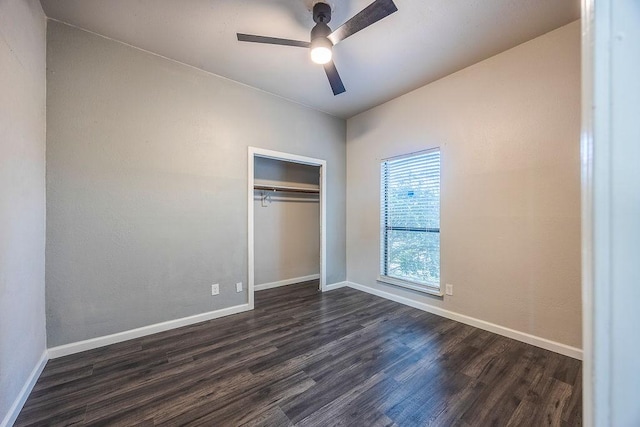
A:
(311, 359)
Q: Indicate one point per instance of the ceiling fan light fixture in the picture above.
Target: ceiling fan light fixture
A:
(323, 39)
(321, 50)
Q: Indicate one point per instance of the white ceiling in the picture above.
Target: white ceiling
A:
(423, 41)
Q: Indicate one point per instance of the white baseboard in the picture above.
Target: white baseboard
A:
(333, 286)
(15, 409)
(286, 282)
(554, 346)
(77, 347)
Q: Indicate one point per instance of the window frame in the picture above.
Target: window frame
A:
(431, 288)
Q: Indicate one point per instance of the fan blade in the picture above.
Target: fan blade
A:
(334, 78)
(271, 40)
(369, 15)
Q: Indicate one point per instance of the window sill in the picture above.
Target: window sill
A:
(427, 289)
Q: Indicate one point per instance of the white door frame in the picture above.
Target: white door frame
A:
(586, 160)
(278, 155)
(609, 141)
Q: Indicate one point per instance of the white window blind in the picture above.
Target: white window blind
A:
(410, 219)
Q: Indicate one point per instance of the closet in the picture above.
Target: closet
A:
(286, 216)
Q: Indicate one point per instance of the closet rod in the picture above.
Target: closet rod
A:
(286, 189)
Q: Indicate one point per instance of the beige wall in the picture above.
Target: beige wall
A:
(22, 196)
(287, 230)
(147, 184)
(508, 128)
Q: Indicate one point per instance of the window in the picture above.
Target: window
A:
(410, 221)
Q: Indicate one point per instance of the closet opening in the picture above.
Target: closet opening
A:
(286, 220)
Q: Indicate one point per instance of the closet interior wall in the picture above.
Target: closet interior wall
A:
(286, 223)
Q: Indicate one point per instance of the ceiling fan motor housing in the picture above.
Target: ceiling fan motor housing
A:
(321, 30)
(321, 15)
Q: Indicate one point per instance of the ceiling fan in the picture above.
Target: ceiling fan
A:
(323, 39)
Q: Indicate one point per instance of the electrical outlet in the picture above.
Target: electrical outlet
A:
(448, 289)
(215, 289)
(239, 287)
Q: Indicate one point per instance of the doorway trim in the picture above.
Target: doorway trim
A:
(287, 157)
(587, 188)
(610, 246)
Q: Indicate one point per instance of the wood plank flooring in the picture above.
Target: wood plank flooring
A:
(304, 358)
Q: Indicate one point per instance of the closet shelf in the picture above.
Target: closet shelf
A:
(286, 189)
